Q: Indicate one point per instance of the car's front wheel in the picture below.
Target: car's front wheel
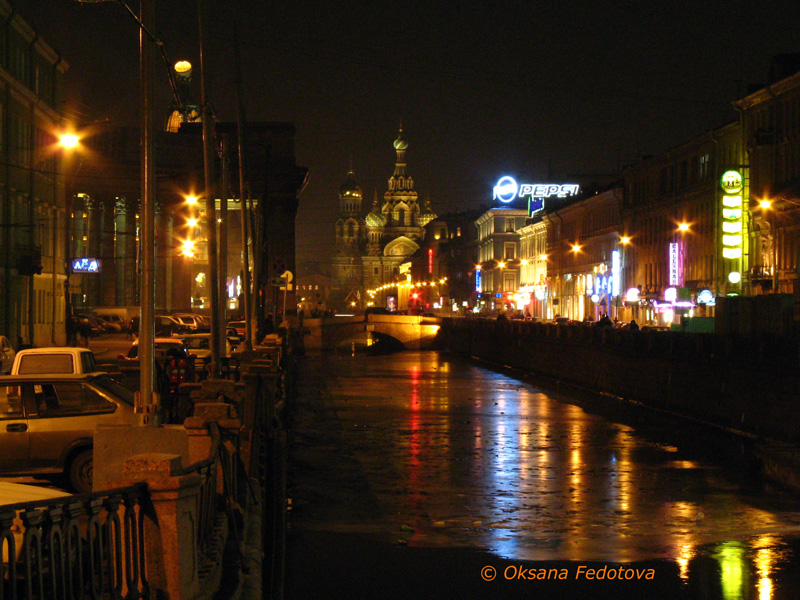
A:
(80, 472)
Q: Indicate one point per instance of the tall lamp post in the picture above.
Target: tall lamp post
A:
(68, 141)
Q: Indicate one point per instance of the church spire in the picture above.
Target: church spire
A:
(400, 146)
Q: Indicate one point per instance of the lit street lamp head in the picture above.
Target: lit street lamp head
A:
(68, 140)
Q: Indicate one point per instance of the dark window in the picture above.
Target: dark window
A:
(37, 364)
(10, 402)
(69, 399)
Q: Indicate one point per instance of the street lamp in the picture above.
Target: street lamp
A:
(501, 265)
(68, 141)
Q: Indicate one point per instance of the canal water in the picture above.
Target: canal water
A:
(416, 450)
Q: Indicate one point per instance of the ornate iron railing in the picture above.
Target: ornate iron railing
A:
(76, 547)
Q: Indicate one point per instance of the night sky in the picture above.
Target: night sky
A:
(569, 90)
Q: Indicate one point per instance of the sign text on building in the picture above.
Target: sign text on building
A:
(86, 265)
(507, 190)
(674, 263)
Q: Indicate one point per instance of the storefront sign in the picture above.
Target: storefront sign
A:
(674, 264)
(706, 297)
(732, 184)
(535, 205)
(615, 272)
(86, 265)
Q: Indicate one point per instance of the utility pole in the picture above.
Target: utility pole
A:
(147, 397)
(223, 242)
(211, 209)
(31, 230)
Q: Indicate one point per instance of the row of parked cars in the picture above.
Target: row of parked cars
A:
(54, 398)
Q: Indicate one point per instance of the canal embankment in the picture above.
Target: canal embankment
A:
(749, 386)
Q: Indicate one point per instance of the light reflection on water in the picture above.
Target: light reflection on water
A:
(464, 456)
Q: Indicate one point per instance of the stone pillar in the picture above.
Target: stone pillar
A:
(200, 440)
(171, 546)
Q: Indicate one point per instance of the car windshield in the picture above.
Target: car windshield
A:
(114, 388)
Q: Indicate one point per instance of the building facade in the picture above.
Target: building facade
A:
(584, 257)
(32, 213)
(498, 278)
(370, 249)
(770, 137)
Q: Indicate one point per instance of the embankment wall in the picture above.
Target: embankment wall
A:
(750, 384)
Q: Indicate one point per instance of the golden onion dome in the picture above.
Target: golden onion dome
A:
(400, 143)
(350, 188)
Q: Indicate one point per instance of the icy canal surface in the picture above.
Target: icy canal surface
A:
(432, 452)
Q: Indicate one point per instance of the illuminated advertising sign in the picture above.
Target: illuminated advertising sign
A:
(732, 185)
(706, 297)
(674, 264)
(86, 265)
(615, 272)
(731, 182)
(507, 190)
(478, 281)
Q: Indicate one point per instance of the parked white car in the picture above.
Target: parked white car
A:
(53, 361)
(47, 422)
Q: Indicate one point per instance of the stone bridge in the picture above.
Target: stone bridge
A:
(413, 332)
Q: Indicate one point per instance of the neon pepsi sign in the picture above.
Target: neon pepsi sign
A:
(507, 190)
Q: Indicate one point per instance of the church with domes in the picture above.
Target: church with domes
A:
(371, 247)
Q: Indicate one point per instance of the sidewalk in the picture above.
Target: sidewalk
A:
(236, 584)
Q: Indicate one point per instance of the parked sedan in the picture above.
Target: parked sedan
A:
(161, 347)
(199, 346)
(7, 354)
(193, 323)
(112, 323)
(47, 422)
(164, 325)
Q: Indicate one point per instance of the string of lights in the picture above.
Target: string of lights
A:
(405, 284)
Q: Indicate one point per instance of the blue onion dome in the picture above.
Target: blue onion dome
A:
(350, 188)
